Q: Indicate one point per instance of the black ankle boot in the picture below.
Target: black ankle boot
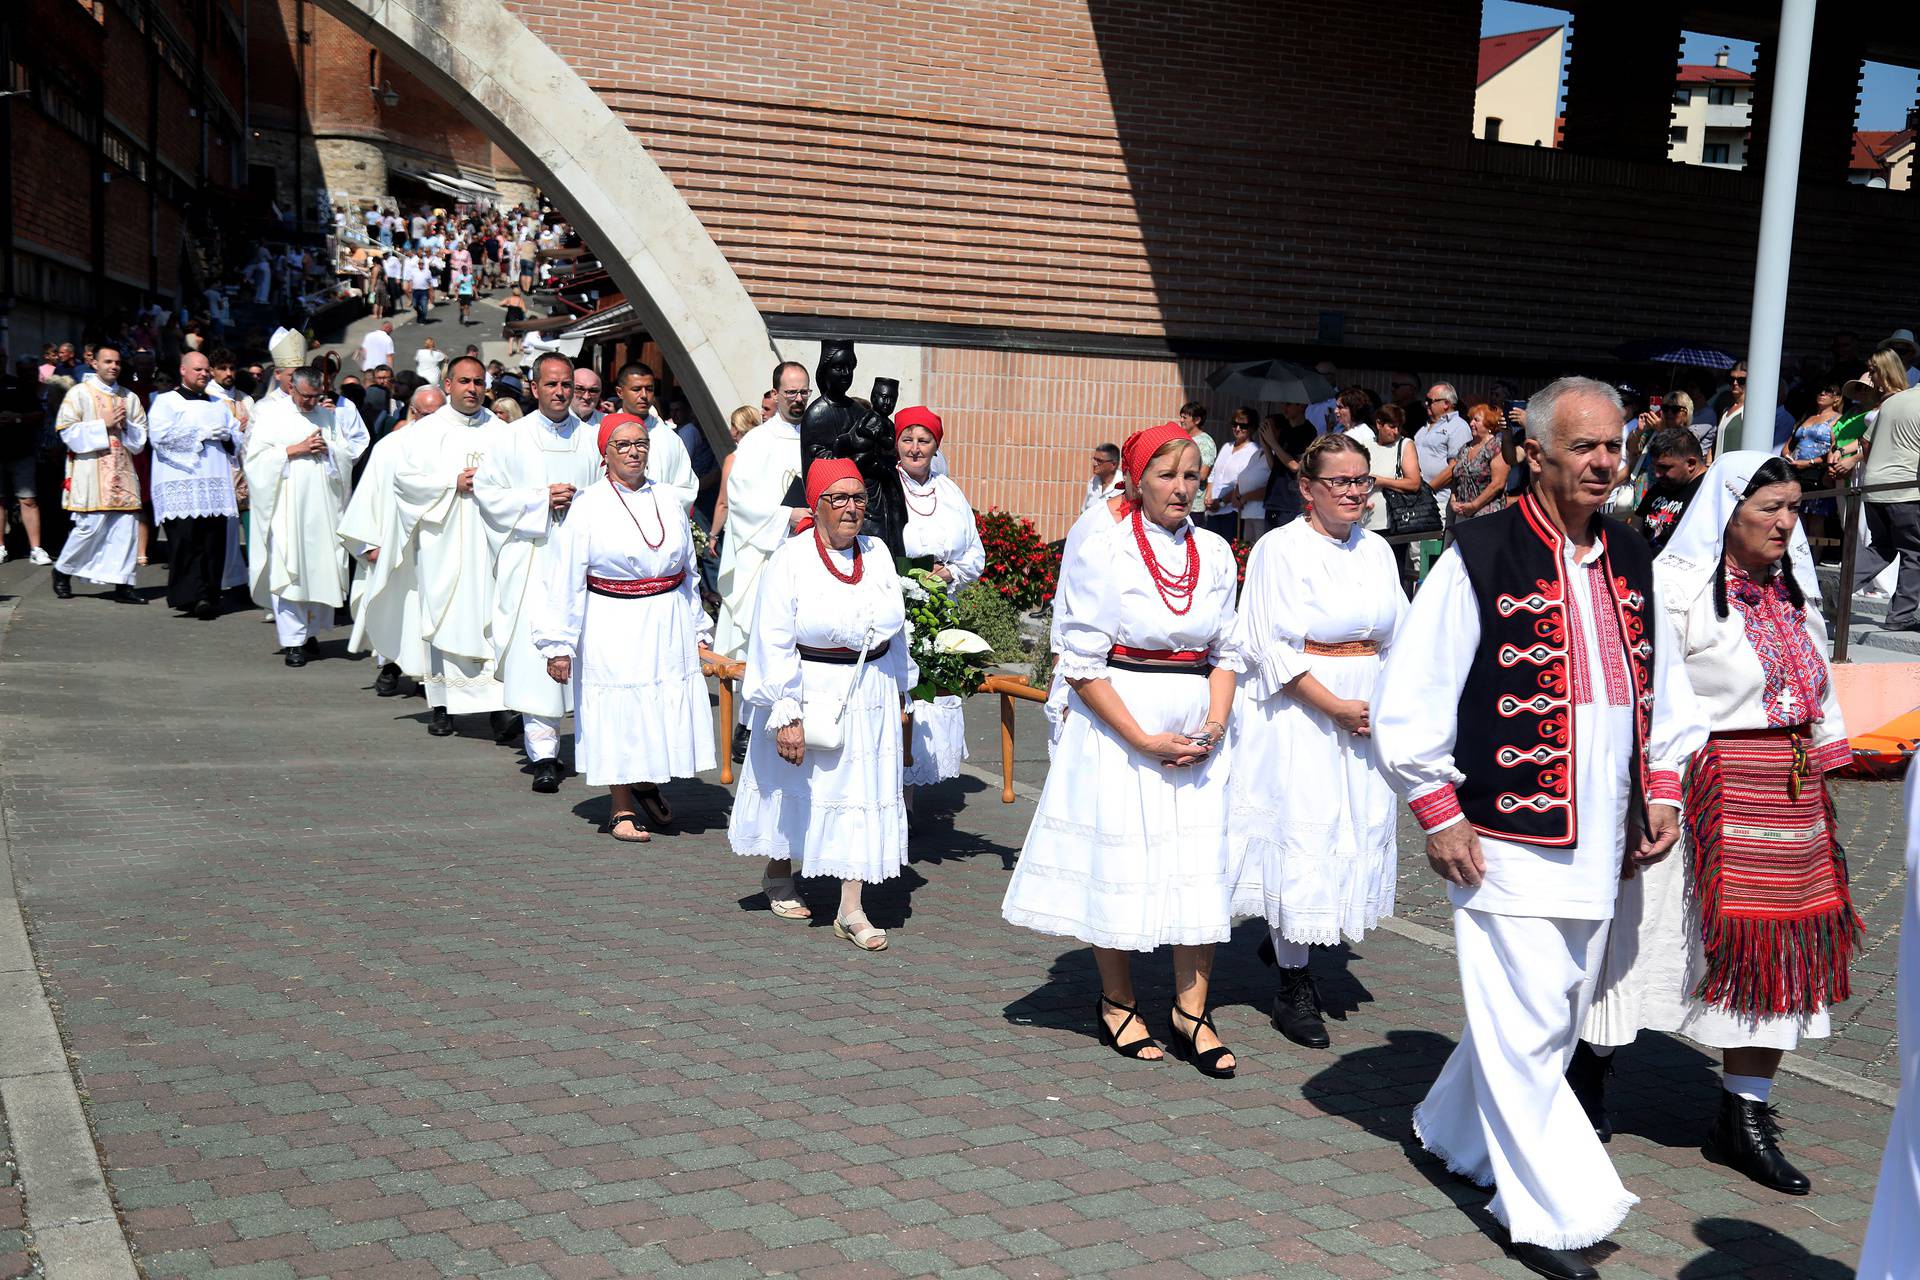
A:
(1746, 1138)
(1296, 1009)
(440, 724)
(740, 744)
(506, 725)
(62, 585)
(387, 683)
(1587, 1074)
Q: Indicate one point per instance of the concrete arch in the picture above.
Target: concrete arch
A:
(502, 77)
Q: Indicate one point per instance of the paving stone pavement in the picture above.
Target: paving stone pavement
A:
(347, 1000)
(15, 1259)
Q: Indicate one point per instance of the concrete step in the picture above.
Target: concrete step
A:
(1903, 642)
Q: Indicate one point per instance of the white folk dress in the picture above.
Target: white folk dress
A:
(1123, 852)
(1311, 824)
(1094, 519)
(640, 703)
(940, 524)
(1654, 959)
(841, 812)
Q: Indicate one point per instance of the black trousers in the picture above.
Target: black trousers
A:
(196, 560)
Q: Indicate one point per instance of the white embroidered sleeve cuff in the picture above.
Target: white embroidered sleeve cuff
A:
(785, 712)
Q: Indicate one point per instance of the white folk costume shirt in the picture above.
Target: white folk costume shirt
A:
(293, 552)
(1243, 468)
(192, 466)
(1066, 589)
(639, 699)
(941, 524)
(386, 593)
(765, 464)
(524, 457)
(449, 538)
(98, 479)
(1415, 719)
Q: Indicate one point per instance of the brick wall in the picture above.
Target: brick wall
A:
(50, 200)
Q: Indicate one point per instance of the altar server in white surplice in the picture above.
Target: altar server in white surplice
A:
(239, 405)
(616, 617)
(450, 545)
(940, 526)
(1893, 1232)
(102, 425)
(193, 451)
(1534, 714)
(299, 458)
(1311, 824)
(536, 466)
(386, 583)
(1128, 846)
(765, 465)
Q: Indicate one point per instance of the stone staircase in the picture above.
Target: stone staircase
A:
(1868, 638)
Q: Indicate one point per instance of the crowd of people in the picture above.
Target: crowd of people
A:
(1615, 739)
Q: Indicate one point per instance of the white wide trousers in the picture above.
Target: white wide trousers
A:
(101, 547)
(542, 736)
(295, 620)
(1502, 1112)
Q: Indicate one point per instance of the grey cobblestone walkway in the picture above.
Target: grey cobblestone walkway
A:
(350, 1001)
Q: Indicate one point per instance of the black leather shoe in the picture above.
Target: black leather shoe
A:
(125, 594)
(387, 683)
(740, 745)
(546, 777)
(1296, 1009)
(1746, 1138)
(507, 725)
(207, 610)
(62, 585)
(312, 646)
(440, 724)
(1587, 1075)
(295, 658)
(1560, 1264)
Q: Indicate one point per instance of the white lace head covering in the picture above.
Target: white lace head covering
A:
(1700, 541)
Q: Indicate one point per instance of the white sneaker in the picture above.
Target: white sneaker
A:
(39, 556)
(3, 553)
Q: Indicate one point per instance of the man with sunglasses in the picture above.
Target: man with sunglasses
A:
(1445, 435)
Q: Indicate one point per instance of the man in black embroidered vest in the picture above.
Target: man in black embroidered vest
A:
(1526, 713)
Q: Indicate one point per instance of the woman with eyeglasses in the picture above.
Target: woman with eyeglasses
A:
(1311, 821)
(827, 659)
(1128, 847)
(1807, 451)
(1237, 486)
(622, 623)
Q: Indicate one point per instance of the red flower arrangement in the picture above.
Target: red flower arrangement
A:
(1021, 565)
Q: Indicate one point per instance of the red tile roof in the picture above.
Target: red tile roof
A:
(1694, 73)
(1497, 53)
(1870, 146)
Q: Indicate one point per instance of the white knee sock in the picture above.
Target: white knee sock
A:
(1752, 1088)
(1288, 955)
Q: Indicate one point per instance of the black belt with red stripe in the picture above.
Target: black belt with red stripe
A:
(841, 657)
(634, 588)
(1185, 662)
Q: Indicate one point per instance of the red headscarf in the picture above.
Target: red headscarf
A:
(918, 416)
(612, 423)
(1142, 445)
(827, 472)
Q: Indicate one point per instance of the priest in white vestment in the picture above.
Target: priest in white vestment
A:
(193, 451)
(103, 425)
(385, 598)
(765, 464)
(448, 541)
(299, 461)
(534, 469)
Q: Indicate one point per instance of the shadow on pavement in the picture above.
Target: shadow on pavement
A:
(1769, 1254)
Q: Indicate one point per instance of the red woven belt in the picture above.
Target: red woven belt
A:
(1179, 661)
(634, 588)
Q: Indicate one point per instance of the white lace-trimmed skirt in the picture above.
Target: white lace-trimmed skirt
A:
(839, 812)
(1122, 852)
(1311, 823)
(939, 741)
(640, 703)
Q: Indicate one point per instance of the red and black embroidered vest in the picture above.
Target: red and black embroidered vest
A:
(1515, 741)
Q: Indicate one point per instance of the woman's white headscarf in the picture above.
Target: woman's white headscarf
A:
(1700, 541)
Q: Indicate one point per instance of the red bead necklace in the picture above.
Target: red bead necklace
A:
(932, 490)
(826, 558)
(652, 544)
(1171, 587)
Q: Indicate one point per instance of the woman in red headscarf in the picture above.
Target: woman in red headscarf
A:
(828, 671)
(1128, 848)
(942, 535)
(622, 622)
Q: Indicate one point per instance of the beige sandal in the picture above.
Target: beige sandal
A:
(632, 820)
(861, 935)
(783, 899)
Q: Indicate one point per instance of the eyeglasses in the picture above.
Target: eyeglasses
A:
(1346, 484)
(585, 391)
(1438, 400)
(1243, 426)
(839, 501)
(628, 446)
(1738, 382)
(800, 394)
(1669, 409)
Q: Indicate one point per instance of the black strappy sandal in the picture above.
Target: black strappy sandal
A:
(1111, 1038)
(1208, 1063)
(656, 806)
